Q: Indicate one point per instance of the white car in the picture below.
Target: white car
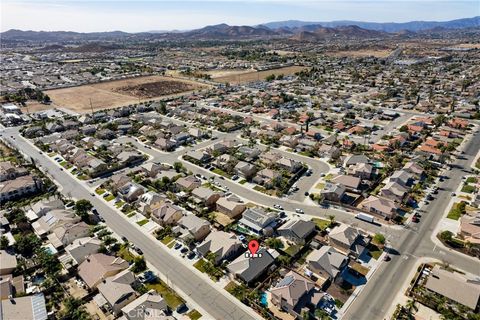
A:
(298, 210)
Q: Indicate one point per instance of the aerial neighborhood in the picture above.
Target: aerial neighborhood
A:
(287, 178)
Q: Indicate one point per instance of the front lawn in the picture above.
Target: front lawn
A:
(321, 223)
(194, 315)
(374, 251)
(172, 299)
(110, 197)
(119, 204)
(125, 254)
(320, 186)
(100, 191)
(167, 240)
(199, 265)
(293, 250)
(471, 180)
(468, 188)
(142, 222)
(243, 181)
(456, 211)
(222, 173)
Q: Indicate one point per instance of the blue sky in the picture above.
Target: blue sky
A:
(137, 16)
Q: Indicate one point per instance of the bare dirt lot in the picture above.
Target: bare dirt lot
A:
(242, 77)
(361, 53)
(111, 94)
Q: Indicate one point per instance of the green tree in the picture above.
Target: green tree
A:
(379, 238)
(139, 264)
(178, 166)
(274, 243)
(446, 236)
(321, 314)
(48, 261)
(332, 223)
(74, 310)
(82, 207)
(3, 243)
(26, 244)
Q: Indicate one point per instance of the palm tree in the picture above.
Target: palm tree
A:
(331, 218)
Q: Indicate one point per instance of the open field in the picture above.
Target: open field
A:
(117, 93)
(361, 53)
(242, 77)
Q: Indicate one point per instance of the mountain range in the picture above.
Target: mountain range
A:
(292, 29)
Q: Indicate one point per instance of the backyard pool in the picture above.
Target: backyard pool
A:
(263, 299)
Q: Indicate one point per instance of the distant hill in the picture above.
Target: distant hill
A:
(299, 30)
(414, 26)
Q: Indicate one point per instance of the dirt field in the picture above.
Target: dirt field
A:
(360, 53)
(257, 75)
(120, 92)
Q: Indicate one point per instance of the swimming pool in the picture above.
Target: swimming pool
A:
(263, 299)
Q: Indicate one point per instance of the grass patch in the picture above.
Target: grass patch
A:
(171, 244)
(321, 223)
(243, 181)
(119, 204)
(125, 254)
(131, 214)
(328, 177)
(293, 250)
(82, 177)
(63, 163)
(110, 197)
(468, 188)
(52, 154)
(167, 240)
(194, 315)
(338, 304)
(142, 222)
(374, 251)
(320, 186)
(100, 191)
(471, 180)
(222, 173)
(456, 212)
(172, 299)
(199, 265)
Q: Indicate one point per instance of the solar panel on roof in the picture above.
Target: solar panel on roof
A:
(38, 307)
(285, 281)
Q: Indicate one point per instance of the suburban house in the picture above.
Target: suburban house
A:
(291, 293)
(258, 220)
(348, 240)
(25, 308)
(230, 206)
(9, 172)
(327, 262)
(454, 286)
(188, 183)
(9, 262)
(117, 290)
(98, 267)
(148, 306)
(289, 164)
(296, 230)
(350, 182)
(131, 191)
(192, 226)
(19, 187)
(361, 170)
(250, 269)
(54, 219)
(245, 169)
(381, 206)
(333, 192)
(224, 245)
(79, 249)
(167, 214)
(470, 228)
(67, 233)
(267, 177)
(205, 196)
(394, 191)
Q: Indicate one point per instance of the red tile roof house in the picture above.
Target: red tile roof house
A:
(458, 123)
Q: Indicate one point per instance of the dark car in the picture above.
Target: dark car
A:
(182, 308)
(177, 246)
(191, 255)
(184, 250)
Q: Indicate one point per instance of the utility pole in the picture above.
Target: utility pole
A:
(91, 106)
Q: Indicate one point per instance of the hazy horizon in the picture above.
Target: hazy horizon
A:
(144, 16)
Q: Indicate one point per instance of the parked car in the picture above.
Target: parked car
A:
(177, 246)
(298, 210)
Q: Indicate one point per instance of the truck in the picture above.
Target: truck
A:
(365, 217)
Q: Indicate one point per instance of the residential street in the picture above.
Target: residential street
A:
(415, 243)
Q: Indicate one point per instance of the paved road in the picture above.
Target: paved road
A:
(381, 289)
(213, 300)
(262, 199)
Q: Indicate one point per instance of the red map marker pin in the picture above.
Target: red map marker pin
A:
(253, 246)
